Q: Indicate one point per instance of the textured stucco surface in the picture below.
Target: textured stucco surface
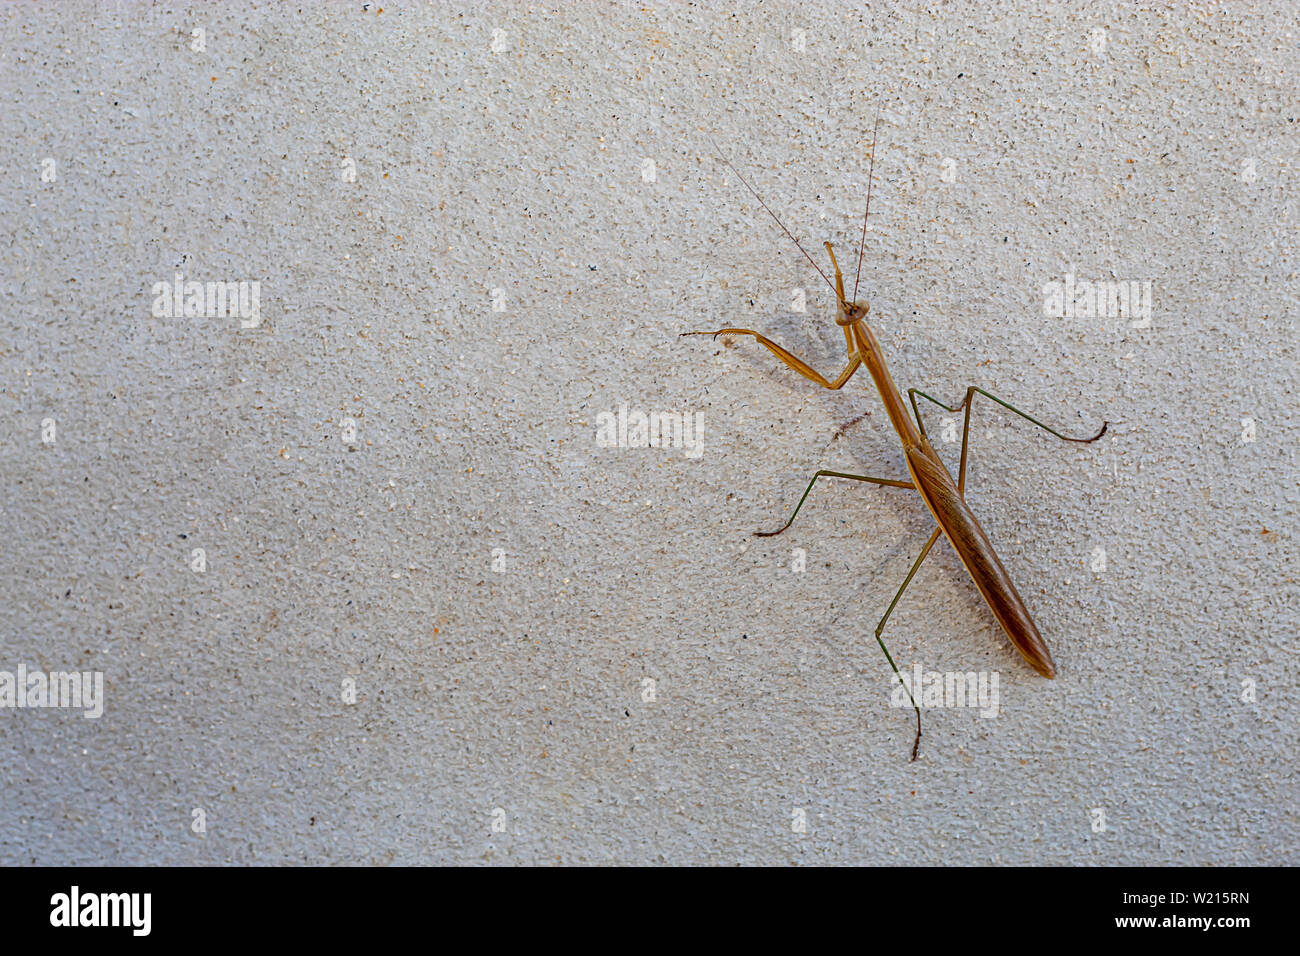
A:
(1015, 145)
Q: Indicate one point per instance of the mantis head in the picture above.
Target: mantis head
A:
(849, 312)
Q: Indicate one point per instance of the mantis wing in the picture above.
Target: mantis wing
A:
(976, 552)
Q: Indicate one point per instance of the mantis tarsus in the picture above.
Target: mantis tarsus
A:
(942, 496)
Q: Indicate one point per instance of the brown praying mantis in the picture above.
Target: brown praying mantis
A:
(929, 476)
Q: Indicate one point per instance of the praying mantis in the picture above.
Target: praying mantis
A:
(944, 498)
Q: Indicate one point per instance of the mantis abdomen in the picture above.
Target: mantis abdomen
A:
(972, 545)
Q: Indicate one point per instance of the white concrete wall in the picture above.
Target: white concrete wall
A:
(1015, 146)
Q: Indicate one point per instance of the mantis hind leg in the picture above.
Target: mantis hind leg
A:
(831, 474)
(916, 744)
(966, 403)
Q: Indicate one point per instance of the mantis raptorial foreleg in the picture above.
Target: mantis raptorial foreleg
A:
(792, 360)
(832, 474)
(965, 434)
